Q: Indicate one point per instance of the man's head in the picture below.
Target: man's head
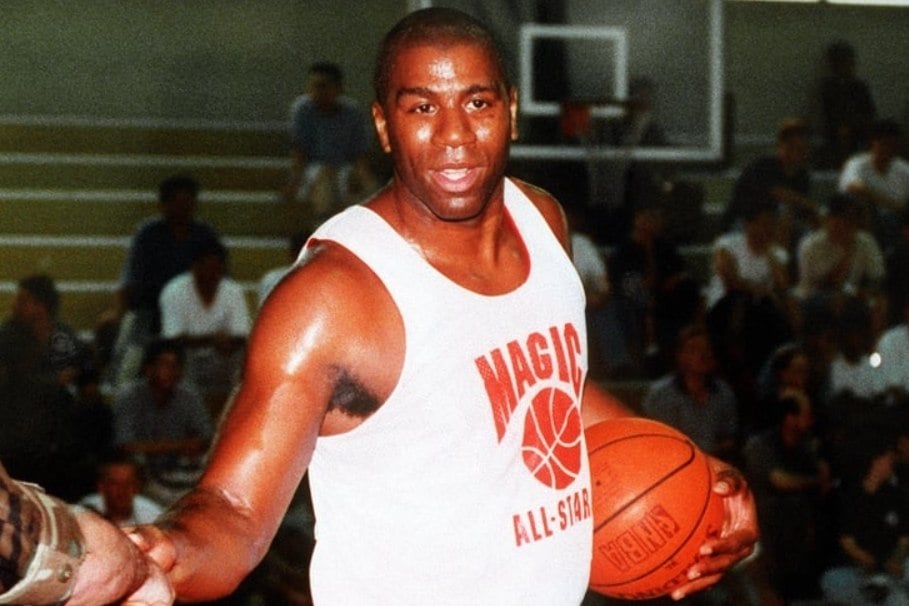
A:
(796, 417)
(759, 223)
(177, 197)
(162, 364)
(37, 299)
(208, 263)
(324, 83)
(119, 481)
(793, 143)
(445, 112)
(694, 353)
(433, 27)
(844, 217)
(884, 143)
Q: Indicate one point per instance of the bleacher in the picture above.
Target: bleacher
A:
(72, 194)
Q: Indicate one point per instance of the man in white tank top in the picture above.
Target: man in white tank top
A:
(413, 361)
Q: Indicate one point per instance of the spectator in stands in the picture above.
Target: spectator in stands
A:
(786, 373)
(159, 250)
(790, 480)
(118, 495)
(329, 162)
(873, 530)
(207, 312)
(897, 274)
(839, 259)
(893, 349)
(749, 313)
(591, 267)
(654, 293)
(161, 420)
(879, 178)
(34, 311)
(271, 278)
(694, 400)
(781, 180)
(852, 369)
(37, 440)
(847, 106)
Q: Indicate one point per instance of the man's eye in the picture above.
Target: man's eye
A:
(423, 108)
(478, 103)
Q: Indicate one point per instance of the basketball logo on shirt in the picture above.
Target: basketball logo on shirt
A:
(552, 438)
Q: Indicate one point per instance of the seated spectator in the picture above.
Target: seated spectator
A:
(893, 349)
(591, 267)
(790, 480)
(117, 498)
(163, 422)
(160, 250)
(330, 142)
(35, 309)
(786, 373)
(37, 438)
(748, 307)
(880, 180)
(852, 369)
(847, 106)
(694, 400)
(897, 274)
(655, 295)
(839, 259)
(781, 180)
(206, 311)
(271, 278)
(873, 530)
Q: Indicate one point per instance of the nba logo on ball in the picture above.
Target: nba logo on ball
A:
(653, 507)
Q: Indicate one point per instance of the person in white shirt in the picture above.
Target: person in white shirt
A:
(880, 179)
(118, 498)
(893, 349)
(207, 313)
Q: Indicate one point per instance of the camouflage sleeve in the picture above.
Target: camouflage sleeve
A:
(40, 545)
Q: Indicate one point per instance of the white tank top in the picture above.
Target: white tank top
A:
(470, 484)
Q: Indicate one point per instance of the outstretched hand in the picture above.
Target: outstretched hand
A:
(736, 540)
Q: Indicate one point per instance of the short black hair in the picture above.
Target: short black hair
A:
(169, 187)
(207, 247)
(327, 68)
(886, 127)
(792, 128)
(43, 289)
(432, 26)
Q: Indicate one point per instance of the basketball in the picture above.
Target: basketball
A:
(653, 506)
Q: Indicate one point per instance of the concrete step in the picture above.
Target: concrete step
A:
(92, 171)
(120, 137)
(101, 258)
(118, 212)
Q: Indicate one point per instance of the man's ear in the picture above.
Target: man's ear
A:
(378, 119)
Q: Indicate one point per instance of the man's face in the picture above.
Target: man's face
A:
(165, 372)
(180, 208)
(26, 307)
(795, 152)
(695, 356)
(323, 90)
(118, 486)
(447, 122)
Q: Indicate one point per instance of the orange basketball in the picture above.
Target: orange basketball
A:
(653, 506)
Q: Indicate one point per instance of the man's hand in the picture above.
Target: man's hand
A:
(735, 542)
(115, 568)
